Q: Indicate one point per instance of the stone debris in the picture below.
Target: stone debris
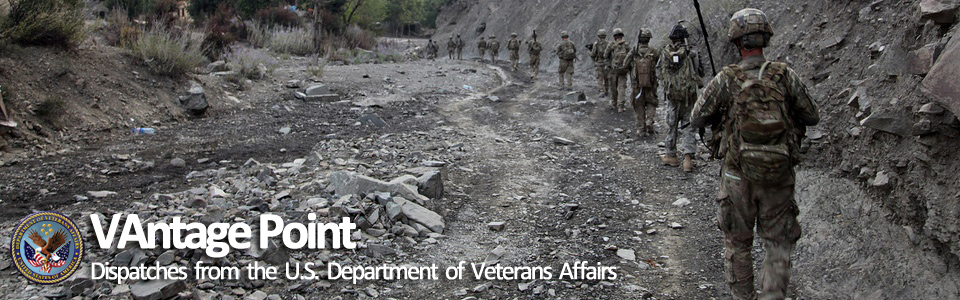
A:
(562, 141)
(195, 101)
(939, 11)
(157, 289)
(681, 202)
(497, 226)
(627, 254)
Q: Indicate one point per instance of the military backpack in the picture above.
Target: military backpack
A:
(644, 67)
(763, 140)
(568, 51)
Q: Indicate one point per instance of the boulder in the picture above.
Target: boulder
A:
(416, 213)
(941, 82)
(317, 90)
(157, 289)
(350, 183)
(921, 60)
(195, 101)
(431, 185)
(939, 11)
(888, 122)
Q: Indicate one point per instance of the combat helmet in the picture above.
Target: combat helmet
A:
(493, 36)
(602, 33)
(617, 31)
(645, 33)
(513, 34)
(564, 34)
(679, 32)
(749, 21)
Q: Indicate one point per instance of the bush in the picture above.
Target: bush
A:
(258, 35)
(317, 66)
(277, 16)
(165, 12)
(251, 63)
(356, 37)
(168, 53)
(292, 40)
(44, 23)
(222, 30)
(117, 22)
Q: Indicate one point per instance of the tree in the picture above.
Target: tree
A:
(365, 12)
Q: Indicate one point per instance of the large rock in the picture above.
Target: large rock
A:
(941, 83)
(317, 90)
(921, 60)
(320, 92)
(431, 184)
(419, 214)
(157, 289)
(195, 101)
(889, 122)
(939, 11)
(350, 183)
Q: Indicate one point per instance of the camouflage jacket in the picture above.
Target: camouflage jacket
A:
(493, 45)
(598, 52)
(534, 48)
(713, 106)
(678, 74)
(564, 44)
(513, 45)
(459, 43)
(616, 53)
(482, 45)
(451, 44)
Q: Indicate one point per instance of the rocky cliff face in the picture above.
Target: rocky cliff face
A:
(879, 191)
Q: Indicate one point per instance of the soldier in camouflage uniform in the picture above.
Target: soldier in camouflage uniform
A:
(597, 53)
(567, 52)
(642, 62)
(451, 47)
(758, 111)
(513, 45)
(482, 47)
(460, 45)
(617, 76)
(533, 49)
(680, 79)
(494, 47)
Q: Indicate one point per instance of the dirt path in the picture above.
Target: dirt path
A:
(510, 170)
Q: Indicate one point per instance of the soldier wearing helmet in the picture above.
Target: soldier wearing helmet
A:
(642, 64)
(617, 76)
(680, 76)
(758, 111)
(567, 52)
(493, 45)
(514, 47)
(597, 53)
(482, 48)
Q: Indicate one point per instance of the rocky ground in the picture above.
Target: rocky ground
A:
(517, 175)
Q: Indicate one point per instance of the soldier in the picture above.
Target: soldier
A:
(680, 83)
(482, 47)
(494, 47)
(615, 55)
(762, 109)
(513, 45)
(597, 53)
(460, 45)
(451, 46)
(430, 53)
(534, 48)
(642, 62)
(566, 52)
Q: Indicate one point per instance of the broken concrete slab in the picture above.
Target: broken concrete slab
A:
(317, 90)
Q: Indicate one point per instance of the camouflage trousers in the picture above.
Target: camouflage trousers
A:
(773, 210)
(493, 55)
(566, 69)
(602, 85)
(644, 102)
(617, 82)
(450, 52)
(535, 65)
(678, 122)
(514, 59)
(483, 53)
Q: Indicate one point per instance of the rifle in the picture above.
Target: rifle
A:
(534, 36)
(706, 36)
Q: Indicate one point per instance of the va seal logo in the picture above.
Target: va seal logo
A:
(46, 247)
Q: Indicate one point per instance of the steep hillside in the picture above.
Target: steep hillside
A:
(879, 188)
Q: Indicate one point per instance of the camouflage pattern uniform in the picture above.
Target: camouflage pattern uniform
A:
(597, 54)
(642, 61)
(745, 203)
(566, 63)
(460, 45)
(617, 77)
(514, 47)
(451, 46)
(533, 49)
(494, 47)
(680, 81)
(482, 47)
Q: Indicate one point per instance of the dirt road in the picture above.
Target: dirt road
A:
(503, 166)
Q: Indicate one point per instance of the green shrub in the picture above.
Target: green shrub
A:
(44, 23)
(168, 53)
(251, 63)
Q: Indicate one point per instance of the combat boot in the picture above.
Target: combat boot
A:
(687, 163)
(670, 161)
